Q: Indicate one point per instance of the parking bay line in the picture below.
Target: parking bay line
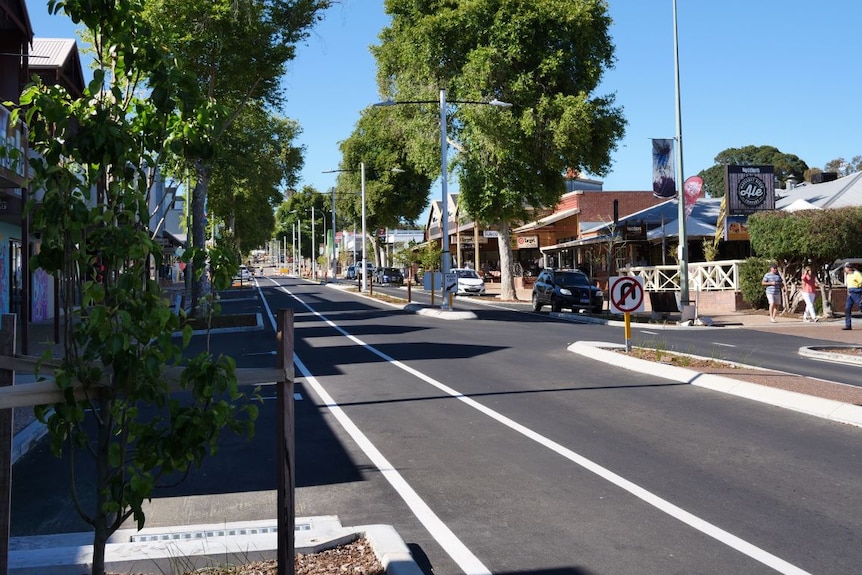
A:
(447, 539)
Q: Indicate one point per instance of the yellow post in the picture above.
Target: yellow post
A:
(628, 330)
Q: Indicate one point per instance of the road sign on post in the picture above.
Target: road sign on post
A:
(627, 296)
(451, 282)
(450, 287)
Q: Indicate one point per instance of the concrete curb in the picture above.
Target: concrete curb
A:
(816, 352)
(818, 407)
(195, 546)
(25, 439)
(417, 308)
(257, 327)
(439, 313)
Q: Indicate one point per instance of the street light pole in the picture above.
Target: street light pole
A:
(334, 262)
(683, 237)
(364, 266)
(362, 270)
(313, 248)
(325, 240)
(445, 256)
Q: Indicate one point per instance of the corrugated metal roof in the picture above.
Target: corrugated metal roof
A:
(843, 192)
(51, 52)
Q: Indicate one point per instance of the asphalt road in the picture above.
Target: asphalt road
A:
(492, 449)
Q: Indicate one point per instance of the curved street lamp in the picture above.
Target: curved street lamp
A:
(445, 256)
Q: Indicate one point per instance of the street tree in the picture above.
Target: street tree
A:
(815, 237)
(235, 52)
(546, 57)
(785, 165)
(254, 164)
(95, 162)
(396, 192)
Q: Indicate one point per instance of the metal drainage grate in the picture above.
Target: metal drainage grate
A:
(190, 535)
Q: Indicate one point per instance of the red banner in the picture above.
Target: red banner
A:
(691, 188)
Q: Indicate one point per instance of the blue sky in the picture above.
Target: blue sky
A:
(760, 72)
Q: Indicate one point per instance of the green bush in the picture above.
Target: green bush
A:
(750, 275)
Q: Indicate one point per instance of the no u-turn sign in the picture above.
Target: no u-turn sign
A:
(626, 294)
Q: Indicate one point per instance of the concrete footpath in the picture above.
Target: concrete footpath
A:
(155, 550)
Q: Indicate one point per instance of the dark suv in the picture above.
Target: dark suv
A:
(566, 288)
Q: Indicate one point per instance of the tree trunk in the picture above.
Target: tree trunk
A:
(199, 199)
(826, 299)
(507, 280)
(100, 518)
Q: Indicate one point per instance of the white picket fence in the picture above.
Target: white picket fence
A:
(702, 276)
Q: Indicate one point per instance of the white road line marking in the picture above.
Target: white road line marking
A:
(454, 547)
(723, 344)
(648, 331)
(452, 543)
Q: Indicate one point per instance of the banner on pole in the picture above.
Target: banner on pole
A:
(691, 189)
(663, 182)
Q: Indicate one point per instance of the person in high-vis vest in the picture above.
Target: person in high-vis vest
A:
(853, 281)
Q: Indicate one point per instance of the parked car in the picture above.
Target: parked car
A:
(566, 289)
(389, 276)
(355, 271)
(243, 274)
(369, 267)
(469, 282)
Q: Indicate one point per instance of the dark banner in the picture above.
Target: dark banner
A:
(750, 189)
(663, 179)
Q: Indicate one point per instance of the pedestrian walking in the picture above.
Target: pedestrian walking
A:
(772, 281)
(853, 281)
(809, 294)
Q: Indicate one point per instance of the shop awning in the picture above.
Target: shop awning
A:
(546, 221)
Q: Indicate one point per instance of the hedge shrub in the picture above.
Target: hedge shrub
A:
(750, 275)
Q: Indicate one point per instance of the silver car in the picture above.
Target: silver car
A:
(244, 274)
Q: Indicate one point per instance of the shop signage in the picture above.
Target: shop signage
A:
(634, 232)
(527, 242)
(466, 240)
(750, 189)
